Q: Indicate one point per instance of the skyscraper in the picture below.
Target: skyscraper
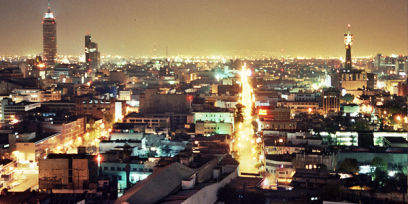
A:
(348, 42)
(92, 54)
(49, 37)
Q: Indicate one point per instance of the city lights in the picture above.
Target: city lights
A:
(144, 109)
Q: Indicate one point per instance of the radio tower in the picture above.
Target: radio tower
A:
(348, 42)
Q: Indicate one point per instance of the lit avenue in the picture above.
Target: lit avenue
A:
(209, 102)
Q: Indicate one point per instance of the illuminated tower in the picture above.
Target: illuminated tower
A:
(348, 42)
(49, 37)
(92, 54)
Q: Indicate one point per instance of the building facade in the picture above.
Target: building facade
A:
(331, 100)
(68, 171)
(92, 54)
(10, 108)
(49, 38)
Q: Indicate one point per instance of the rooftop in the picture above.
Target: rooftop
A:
(162, 182)
(44, 136)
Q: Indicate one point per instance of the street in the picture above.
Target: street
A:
(28, 179)
(244, 134)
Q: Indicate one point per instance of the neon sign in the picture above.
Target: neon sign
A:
(263, 112)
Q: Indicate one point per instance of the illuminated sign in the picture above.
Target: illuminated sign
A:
(263, 112)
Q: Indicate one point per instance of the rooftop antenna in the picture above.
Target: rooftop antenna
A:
(167, 52)
(87, 32)
(49, 7)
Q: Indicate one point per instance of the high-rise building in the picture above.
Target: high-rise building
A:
(92, 54)
(331, 100)
(49, 37)
(348, 42)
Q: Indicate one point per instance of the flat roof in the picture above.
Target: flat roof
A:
(44, 136)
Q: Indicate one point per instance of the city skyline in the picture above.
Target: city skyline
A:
(130, 28)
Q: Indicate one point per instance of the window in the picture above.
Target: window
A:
(119, 168)
(105, 168)
(150, 170)
(112, 168)
(141, 169)
(134, 169)
(119, 178)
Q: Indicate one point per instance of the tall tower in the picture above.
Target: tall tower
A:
(92, 54)
(348, 42)
(49, 37)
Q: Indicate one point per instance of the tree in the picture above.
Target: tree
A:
(330, 140)
(109, 119)
(360, 125)
(151, 153)
(253, 110)
(380, 176)
(348, 98)
(255, 126)
(331, 128)
(239, 117)
(258, 165)
(91, 131)
(379, 163)
(165, 149)
(227, 194)
(349, 164)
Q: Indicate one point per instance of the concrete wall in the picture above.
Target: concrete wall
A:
(80, 172)
(208, 194)
(53, 173)
(205, 172)
(126, 136)
(151, 102)
(26, 151)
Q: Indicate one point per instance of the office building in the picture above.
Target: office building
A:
(10, 108)
(62, 172)
(92, 54)
(49, 38)
(331, 100)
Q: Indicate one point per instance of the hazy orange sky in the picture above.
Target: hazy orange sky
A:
(130, 27)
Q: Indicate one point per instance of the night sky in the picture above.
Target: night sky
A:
(212, 27)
